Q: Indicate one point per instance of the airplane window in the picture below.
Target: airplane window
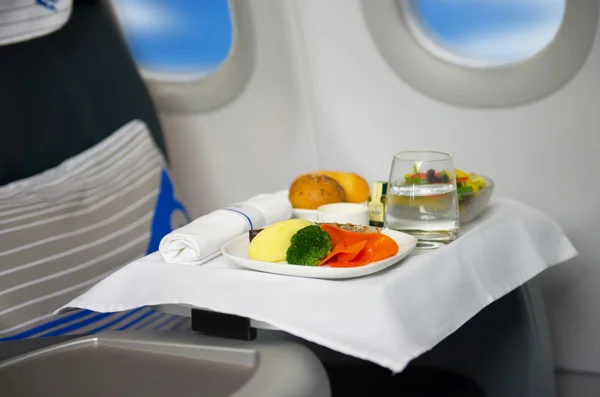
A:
(484, 33)
(195, 56)
(180, 38)
(483, 53)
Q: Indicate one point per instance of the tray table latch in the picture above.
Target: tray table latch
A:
(222, 325)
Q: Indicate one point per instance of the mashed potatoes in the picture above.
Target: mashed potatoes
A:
(271, 244)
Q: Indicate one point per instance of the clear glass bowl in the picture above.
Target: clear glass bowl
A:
(472, 204)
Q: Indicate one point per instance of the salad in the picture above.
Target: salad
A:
(465, 182)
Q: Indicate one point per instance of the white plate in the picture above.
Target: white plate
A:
(237, 251)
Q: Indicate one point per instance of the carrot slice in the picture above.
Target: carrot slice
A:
(364, 257)
(354, 251)
(383, 246)
(347, 253)
(340, 236)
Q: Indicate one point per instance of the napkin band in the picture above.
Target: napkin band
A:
(253, 216)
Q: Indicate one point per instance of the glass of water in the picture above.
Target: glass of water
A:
(421, 197)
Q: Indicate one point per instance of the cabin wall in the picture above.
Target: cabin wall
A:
(322, 96)
(259, 141)
(542, 154)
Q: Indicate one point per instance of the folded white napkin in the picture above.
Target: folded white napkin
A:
(201, 240)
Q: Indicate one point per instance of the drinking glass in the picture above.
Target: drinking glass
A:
(421, 197)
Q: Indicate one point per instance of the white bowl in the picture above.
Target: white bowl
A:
(309, 215)
(357, 214)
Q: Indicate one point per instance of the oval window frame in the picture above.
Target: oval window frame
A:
(502, 86)
(188, 93)
(419, 32)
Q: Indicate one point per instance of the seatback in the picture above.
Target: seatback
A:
(84, 187)
(63, 93)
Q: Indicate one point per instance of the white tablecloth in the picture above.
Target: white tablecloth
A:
(387, 318)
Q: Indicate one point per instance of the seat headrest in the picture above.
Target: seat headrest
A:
(22, 20)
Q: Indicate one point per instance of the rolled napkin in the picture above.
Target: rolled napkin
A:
(201, 240)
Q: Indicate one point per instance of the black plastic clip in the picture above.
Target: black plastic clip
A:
(222, 325)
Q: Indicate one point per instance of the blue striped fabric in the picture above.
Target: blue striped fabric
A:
(66, 229)
(82, 319)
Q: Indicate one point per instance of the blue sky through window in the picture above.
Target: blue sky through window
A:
(181, 36)
(492, 31)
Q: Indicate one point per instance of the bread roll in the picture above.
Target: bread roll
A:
(310, 191)
(355, 186)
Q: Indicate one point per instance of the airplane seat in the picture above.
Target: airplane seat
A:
(75, 86)
(62, 94)
(66, 94)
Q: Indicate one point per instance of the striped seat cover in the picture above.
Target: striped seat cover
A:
(22, 20)
(65, 229)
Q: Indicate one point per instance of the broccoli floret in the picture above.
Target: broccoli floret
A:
(308, 246)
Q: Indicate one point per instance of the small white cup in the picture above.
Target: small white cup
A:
(357, 214)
